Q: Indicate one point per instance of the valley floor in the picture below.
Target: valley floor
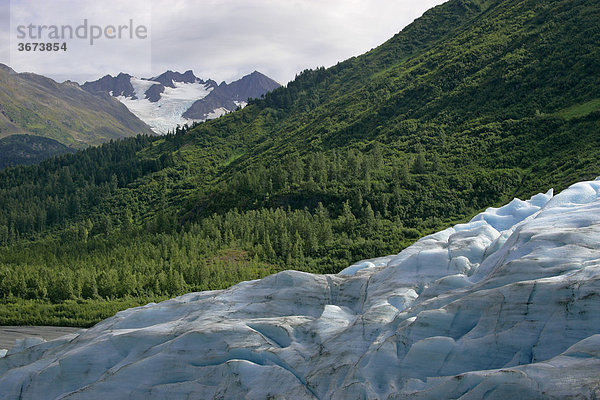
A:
(10, 334)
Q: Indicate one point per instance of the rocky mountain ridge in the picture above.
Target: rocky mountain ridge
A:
(36, 105)
(174, 98)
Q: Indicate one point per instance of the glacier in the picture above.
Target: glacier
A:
(165, 114)
(504, 306)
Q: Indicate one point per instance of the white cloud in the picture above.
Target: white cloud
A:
(221, 39)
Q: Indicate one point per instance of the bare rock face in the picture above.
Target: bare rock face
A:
(504, 306)
(119, 85)
(169, 78)
(232, 95)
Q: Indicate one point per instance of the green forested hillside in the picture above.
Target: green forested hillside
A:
(28, 150)
(474, 103)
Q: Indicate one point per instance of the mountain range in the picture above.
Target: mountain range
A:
(35, 105)
(172, 98)
(108, 109)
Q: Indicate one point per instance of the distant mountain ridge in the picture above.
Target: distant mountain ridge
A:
(232, 95)
(173, 98)
(118, 86)
(37, 105)
(169, 78)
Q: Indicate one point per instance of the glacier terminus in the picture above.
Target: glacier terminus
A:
(504, 306)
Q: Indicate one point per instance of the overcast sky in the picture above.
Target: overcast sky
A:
(218, 39)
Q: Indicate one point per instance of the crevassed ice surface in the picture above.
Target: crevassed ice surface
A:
(505, 306)
(217, 112)
(165, 114)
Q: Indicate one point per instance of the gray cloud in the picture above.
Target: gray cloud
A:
(218, 39)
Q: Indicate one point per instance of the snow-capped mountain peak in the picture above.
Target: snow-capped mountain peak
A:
(174, 98)
(169, 78)
(163, 111)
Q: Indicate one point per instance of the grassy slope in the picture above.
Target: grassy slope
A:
(64, 112)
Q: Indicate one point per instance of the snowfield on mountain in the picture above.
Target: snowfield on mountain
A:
(166, 113)
(171, 98)
(504, 306)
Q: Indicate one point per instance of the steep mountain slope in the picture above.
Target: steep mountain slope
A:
(231, 96)
(33, 104)
(501, 307)
(29, 149)
(119, 85)
(471, 105)
(505, 67)
(464, 91)
(172, 98)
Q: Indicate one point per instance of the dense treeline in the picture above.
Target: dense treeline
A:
(132, 263)
(317, 213)
(23, 149)
(475, 103)
(39, 197)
